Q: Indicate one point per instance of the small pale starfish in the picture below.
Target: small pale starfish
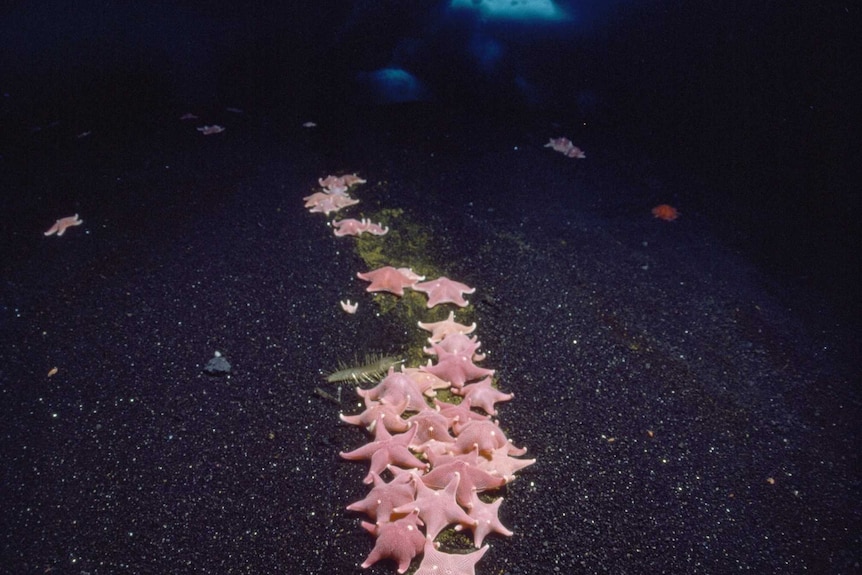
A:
(60, 225)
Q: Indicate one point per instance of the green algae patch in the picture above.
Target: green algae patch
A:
(405, 245)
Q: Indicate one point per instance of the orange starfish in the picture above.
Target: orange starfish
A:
(665, 212)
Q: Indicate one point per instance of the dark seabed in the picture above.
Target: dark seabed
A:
(690, 391)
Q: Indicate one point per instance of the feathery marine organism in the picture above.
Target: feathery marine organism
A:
(370, 370)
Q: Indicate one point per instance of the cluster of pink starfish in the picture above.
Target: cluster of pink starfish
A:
(565, 147)
(334, 194)
(437, 458)
(463, 453)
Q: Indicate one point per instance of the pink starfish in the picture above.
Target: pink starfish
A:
(460, 413)
(327, 203)
(502, 465)
(60, 225)
(348, 227)
(210, 130)
(386, 449)
(487, 520)
(388, 279)
(472, 480)
(456, 344)
(354, 227)
(457, 370)
(388, 414)
(486, 436)
(444, 290)
(565, 147)
(483, 395)
(401, 540)
(427, 382)
(437, 508)
(441, 329)
(339, 184)
(436, 562)
(433, 426)
(395, 389)
(384, 497)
